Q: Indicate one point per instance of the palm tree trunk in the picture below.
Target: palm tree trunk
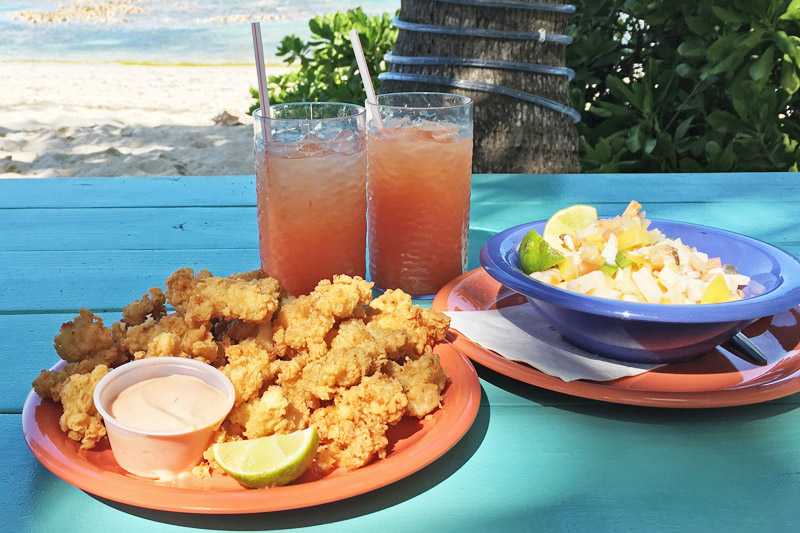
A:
(511, 135)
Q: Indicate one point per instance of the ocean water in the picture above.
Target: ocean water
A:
(198, 31)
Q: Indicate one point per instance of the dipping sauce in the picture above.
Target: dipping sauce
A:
(173, 404)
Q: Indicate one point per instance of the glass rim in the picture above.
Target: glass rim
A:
(463, 100)
(356, 111)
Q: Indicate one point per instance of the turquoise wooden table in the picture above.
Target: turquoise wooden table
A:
(533, 461)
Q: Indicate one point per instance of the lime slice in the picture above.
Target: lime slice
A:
(535, 255)
(268, 461)
(568, 221)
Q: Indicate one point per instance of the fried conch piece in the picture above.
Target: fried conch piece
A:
(303, 323)
(405, 329)
(354, 353)
(248, 368)
(262, 416)
(48, 383)
(423, 381)
(80, 420)
(180, 285)
(353, 430)
(253, 300)
(151, 305)
(84, 337)
(171, 336)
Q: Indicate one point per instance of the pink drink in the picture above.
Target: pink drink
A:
(310, 186)
(418, 190)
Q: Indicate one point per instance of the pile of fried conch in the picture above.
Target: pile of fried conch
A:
(335, 359)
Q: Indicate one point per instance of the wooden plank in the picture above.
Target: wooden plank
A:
(100, 280)
(109, 280)
(565, 189)
(139, 191)
(62, 282)
(235, 227)
(585, 468)
(130, 228)
(209, 191)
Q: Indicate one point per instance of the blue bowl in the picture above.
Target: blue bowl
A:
(655, 333)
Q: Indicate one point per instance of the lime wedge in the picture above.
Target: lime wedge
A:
(268, 461)
(568, 221)
(535, 255)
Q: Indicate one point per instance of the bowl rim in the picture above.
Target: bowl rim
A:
(783, 297)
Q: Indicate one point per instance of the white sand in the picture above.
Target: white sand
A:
(71, 119)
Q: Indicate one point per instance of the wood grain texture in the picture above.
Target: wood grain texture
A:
(574, 468)
(184, 228)
(534, 461)
(216, 191)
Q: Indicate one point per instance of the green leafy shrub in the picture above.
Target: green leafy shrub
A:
(324, 66)
(687, 86)
(678, 86)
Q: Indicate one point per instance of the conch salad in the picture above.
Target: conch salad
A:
(620, 258)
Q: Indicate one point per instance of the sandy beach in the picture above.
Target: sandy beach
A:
(108, 119)
(124, 87)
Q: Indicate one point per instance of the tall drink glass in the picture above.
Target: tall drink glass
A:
(310, 186)
(418, 188)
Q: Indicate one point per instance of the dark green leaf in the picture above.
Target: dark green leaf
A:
(790, 81)
(728, 15)
(727, 65)
(724, 121)
(692, 47)
(764, 65)
(619, 88)
(683, 128)
(600, 111)
(634, 142)
(684, 70)
(723, 47)
(701, 26)
(713, 149)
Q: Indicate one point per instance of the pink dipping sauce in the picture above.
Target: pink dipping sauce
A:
(170, 404)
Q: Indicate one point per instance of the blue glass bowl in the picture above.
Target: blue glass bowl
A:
(655, 333)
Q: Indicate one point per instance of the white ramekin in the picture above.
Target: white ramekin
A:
(157, 454)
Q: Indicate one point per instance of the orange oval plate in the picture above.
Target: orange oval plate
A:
(715, 379)
(413, 444)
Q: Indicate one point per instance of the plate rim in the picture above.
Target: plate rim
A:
(606, 391)
(328, 490)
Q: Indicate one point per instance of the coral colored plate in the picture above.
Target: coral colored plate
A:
(412, 446)
(715, 379)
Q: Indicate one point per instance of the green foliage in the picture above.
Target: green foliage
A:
(686, 86)
(678, 86)
(324, 67)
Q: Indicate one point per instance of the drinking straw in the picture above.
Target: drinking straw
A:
(366, 79)
(258, 48)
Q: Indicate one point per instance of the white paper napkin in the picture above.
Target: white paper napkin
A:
(520, 333)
